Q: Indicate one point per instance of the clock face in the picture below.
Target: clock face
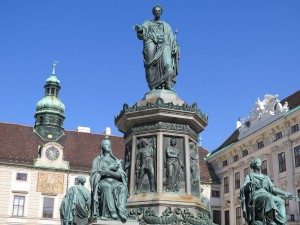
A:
(52, 153)
(50, 183)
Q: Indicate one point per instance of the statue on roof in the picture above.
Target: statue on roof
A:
(108, 185)
(161, 51)
(75, 206)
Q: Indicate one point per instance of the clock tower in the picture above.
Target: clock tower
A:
(49, 116)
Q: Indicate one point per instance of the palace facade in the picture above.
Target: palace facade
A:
(270, 132)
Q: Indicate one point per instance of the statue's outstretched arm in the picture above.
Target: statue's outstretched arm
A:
(277, 191)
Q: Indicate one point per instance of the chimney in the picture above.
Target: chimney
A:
(84, 129)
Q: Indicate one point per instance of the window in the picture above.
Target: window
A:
(227, 220)
(298, 192)
(225, 163)
(76, 181)
(48, 207)
(278, 136)
(226, 185)
(238, 216)
(215, 194)
(264, 167)
(18, 207)
(297, 155)
(22, 176)
(281, 161)
(287, 205)
(237, 183)
(51, 119)
(260, 145)
(294, 128)
(245, 152)
(292, 217)
(52, 91)
(41, 120)
(236, 158)
(217, 216)
(246, 171)
(59, 122)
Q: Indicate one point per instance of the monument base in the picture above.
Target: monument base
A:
(114, 222)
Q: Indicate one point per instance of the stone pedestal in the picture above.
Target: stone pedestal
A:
(115, 222)
(161, 157)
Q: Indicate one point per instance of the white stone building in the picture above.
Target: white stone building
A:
(270, 132)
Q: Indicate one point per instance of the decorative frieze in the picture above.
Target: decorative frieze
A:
(166, 126)
(160, 104)
(171, 216)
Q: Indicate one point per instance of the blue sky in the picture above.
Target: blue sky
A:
(232, 52)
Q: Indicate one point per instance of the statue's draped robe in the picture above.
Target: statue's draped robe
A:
(173, 168)
(264, 199)
(75, 206)
(108, 194)
(161, 54)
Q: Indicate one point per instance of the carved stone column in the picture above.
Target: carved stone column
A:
(164, 133)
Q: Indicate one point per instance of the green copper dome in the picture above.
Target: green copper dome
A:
(50, 103)
(52, 79)
(49, 116)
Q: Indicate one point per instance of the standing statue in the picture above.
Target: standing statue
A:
(161, 51)
(75, 206)
(145, 164)
(109, 185)
(127, 163)
(174, 167)
(194, 163)
(260, 204)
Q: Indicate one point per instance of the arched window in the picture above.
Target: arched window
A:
(51, 119)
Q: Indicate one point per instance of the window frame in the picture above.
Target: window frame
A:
(21, 176)
(248, 171)
(18, 205)
(260, 145)
(45, 208)
(76, 182)
(237, 180)
(297, 156)
(238, 215)
(264, 167)
(226, 184)
(226, 217)
(236, 158)
(278, 135)
(215, 194)
(281, 162)
(294, 128)
(245, 152)
(216, 216)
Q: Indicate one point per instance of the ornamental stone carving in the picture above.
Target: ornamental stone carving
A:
(145, 165)
(166, 126)
(194, 168)
(170, 215)
(162, 105)
(262, 111)
(174, 167)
